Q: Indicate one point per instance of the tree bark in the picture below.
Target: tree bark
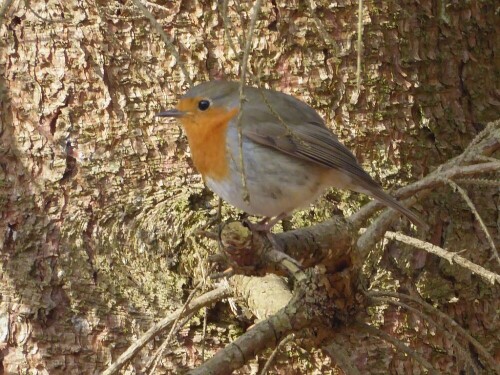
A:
(100, 203)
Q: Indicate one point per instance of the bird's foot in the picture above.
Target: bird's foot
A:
(264, 225)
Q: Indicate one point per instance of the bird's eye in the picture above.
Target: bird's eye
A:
(203, 104)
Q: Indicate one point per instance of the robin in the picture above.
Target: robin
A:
(274, 157)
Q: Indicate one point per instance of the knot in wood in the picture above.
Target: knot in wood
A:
(241, 247)
(329, 299)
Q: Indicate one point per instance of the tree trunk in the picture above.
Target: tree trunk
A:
(100, 203)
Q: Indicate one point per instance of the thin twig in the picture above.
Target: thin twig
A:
(397, 344)
(244, 64)
(479, 182)
(226, 22)
(447, 319)
(487, 275)
(270, 360)
(428, 182)
(153, 362)
(478, 217)
(165, 38)
(428, 319)
(204, 334)
(360, 45)
(203, 300)
(484, 142)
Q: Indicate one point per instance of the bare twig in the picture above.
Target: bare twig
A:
(397, 344)
(360, 45)
(485, 142)
(165, 38)
(204, 334)
(375, 232)
(433, 180)
(478, 217)
(444, 317)
(244, 64)
(226, 23)
(487, 275)
(270, 360)
(428, 319)
(479, 182)
(204, 300)
(153, 362)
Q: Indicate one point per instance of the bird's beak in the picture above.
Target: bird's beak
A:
(171, 113)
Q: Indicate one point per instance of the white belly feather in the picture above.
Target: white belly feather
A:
(275, 182)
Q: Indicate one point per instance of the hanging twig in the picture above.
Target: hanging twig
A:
(479, 347)
(397, 344)
(244, 64)
(428, 319)
(165, 38)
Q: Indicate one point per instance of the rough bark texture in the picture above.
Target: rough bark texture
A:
(100, 202)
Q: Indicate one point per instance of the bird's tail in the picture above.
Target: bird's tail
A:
(376, 192)
(391, 202)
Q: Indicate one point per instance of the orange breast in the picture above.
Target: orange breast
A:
(206, 133)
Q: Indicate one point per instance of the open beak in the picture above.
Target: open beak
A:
(171, 113)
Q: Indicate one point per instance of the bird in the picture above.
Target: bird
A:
(268, 153)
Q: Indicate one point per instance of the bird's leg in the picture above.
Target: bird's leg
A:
(266, 224)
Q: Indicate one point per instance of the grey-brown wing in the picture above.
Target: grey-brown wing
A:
(318, 145)
(312, 143)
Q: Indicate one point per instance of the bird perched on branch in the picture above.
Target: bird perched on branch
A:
(268, 153)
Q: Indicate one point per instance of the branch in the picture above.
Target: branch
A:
(329, 243)
(318, 301)
(376, 231)
(486, 142)
(489, 276)
(267, 333)
(270, 360)
(431, 181)
(204, 300)
(265, 296)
